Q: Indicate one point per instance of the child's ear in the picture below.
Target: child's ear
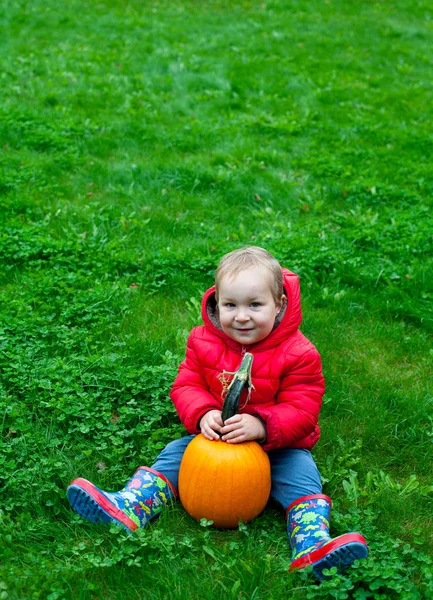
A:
(281, 303)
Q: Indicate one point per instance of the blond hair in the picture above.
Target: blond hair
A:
(251, 256)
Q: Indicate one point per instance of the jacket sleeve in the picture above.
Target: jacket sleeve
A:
(190, 392)
(294, 416)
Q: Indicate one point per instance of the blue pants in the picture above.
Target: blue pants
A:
(293, 471)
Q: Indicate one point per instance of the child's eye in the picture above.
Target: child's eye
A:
(229, 305)
(255, 304)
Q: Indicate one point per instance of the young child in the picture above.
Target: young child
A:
(255, 307)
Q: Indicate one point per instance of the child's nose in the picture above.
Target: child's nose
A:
(242, 315)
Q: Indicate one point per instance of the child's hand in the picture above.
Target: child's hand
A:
(242, 428)
(210, 423)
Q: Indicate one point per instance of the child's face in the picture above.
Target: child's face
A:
(247, 308)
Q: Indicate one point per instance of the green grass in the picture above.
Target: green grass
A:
(139, 141)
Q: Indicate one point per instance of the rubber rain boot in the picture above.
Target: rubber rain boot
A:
(142, 499)
(308, 531)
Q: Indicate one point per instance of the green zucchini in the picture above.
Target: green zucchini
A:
(241, 379)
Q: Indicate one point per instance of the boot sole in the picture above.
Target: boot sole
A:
(342, 558)
(340, 552)
(86, 500)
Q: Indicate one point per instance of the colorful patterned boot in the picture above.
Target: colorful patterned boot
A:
(308, 531)
(142, 499)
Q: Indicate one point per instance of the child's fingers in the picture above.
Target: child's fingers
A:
(235, 419)
(218, 420)
(233, 431)
(211, 424)
(236, 436)
(232, 427)
(233, 424)
(209, 433)
(241, 428)
(215, 425)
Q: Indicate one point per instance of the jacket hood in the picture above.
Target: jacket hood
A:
(287, 321)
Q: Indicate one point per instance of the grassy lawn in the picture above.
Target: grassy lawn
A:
(139, 141)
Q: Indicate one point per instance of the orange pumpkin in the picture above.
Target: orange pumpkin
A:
(226, 483)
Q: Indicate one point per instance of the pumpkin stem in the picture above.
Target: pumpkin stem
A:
(241, 379)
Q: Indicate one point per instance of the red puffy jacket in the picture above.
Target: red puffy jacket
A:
(286, 374)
